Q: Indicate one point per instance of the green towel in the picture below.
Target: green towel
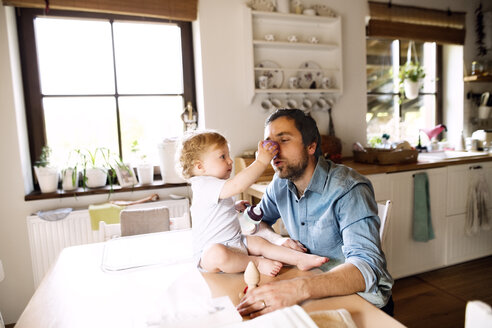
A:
(422, 222)
(108, 213)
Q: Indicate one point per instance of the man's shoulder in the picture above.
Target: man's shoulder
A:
(345, 176)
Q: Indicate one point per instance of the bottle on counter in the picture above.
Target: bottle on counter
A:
(250, 219)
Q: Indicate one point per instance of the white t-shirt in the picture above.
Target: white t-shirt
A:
(214, 220)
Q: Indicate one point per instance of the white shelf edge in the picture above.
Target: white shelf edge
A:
(286, 44)
(297, 17)
(299, 91)
(259, 69)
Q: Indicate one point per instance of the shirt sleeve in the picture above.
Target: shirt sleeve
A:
(207, 189)
(269, 206)
(359, 226)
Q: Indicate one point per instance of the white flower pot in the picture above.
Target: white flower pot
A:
(68, 183)
(411, 89)
(145, 173)
(96, 177)
(47, 178)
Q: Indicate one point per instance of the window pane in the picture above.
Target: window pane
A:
(148, 58)
(149, 120)
(75, 56)
(382, 66)
(417, 114)
(381, 116)
(79, 123)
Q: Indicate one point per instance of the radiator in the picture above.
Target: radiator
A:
(48, 238)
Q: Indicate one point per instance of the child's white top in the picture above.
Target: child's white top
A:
(214, 220)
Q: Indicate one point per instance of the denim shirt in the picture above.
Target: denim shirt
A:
(337, 218)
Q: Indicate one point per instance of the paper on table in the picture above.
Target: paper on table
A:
(290, 317)
(188, 303)
(151, 249)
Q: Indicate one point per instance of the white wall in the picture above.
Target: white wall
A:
(222, 102)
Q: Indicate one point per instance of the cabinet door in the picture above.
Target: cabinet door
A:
(406, 256)
(459, 177)
(462, 247)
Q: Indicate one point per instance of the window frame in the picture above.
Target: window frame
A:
(439, 86)
(30, 70)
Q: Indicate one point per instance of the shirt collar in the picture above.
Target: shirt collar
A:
(318, 180)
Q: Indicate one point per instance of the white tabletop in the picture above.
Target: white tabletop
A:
(80, 290)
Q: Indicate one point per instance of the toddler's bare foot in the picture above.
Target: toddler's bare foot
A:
(309, 261)
(268, 267)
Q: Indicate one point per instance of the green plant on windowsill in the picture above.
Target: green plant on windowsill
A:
(46, 175)
(70, 173)
(145, 170)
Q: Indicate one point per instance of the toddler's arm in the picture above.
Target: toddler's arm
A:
(241, 181)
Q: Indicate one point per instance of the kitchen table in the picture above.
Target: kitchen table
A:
(114, 284)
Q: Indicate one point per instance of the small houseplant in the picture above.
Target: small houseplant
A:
(70, 173)
(145, 170)
(93, 172)
(46, 175)
(411, 75)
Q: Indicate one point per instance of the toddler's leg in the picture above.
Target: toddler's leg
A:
(259, 246)
(218, 258)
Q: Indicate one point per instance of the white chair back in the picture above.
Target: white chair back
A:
(384, 209)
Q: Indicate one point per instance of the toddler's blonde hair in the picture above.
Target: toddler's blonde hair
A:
(194, 145)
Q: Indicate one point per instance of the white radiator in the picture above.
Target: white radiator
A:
(48, 238)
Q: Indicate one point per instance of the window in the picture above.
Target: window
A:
(97, 80)
(387, 111)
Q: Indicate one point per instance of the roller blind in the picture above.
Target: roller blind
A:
(415, 23)
(183, 10)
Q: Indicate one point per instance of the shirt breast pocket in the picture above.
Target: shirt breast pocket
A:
(324, 234)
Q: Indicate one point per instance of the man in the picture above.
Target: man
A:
(328, 210)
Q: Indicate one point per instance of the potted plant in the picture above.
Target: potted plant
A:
(145, 170)
(411, 75)
(94, 174)
(46, 175)
(70, 173)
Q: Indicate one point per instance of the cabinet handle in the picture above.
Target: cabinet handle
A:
(476, 167)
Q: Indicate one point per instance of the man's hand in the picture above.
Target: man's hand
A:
(295, 245)
(272, 296)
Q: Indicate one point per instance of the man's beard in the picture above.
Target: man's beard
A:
(294, 171)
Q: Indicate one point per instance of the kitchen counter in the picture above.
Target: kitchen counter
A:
(425, 161)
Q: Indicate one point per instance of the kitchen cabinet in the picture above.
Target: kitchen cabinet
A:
(316, 54)
(406, 256)
(463, 247)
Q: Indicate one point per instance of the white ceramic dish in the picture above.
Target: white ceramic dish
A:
(275, 75)
(310, 76)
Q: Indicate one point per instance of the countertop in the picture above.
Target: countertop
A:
(421, 163)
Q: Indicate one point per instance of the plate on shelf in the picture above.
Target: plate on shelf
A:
(311, 75)
(323, 10)
(262, 5)
(275, 75)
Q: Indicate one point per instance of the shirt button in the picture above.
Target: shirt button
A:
(303, 223)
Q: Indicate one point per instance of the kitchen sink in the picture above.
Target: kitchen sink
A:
(450, 154)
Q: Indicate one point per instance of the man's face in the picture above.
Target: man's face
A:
(293, 157)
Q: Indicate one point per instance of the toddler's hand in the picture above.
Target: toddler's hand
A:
(241, 205)
(267, 150)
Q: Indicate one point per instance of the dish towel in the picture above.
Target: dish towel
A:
(422, 221)
(476, 206)
(108, 213)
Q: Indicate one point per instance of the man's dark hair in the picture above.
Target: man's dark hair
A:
(304, 123)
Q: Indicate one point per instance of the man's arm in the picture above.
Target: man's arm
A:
(266, 232)
(344, 279)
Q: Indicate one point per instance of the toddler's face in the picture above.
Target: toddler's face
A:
(217, 162)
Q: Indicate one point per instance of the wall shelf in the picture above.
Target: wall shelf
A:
(478, 78)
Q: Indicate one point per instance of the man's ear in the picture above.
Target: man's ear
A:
(312, 148)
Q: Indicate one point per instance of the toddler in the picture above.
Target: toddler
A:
(218, 244)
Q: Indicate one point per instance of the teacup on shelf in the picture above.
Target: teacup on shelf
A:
(292, 38)
(269, 37)
(313, 39)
